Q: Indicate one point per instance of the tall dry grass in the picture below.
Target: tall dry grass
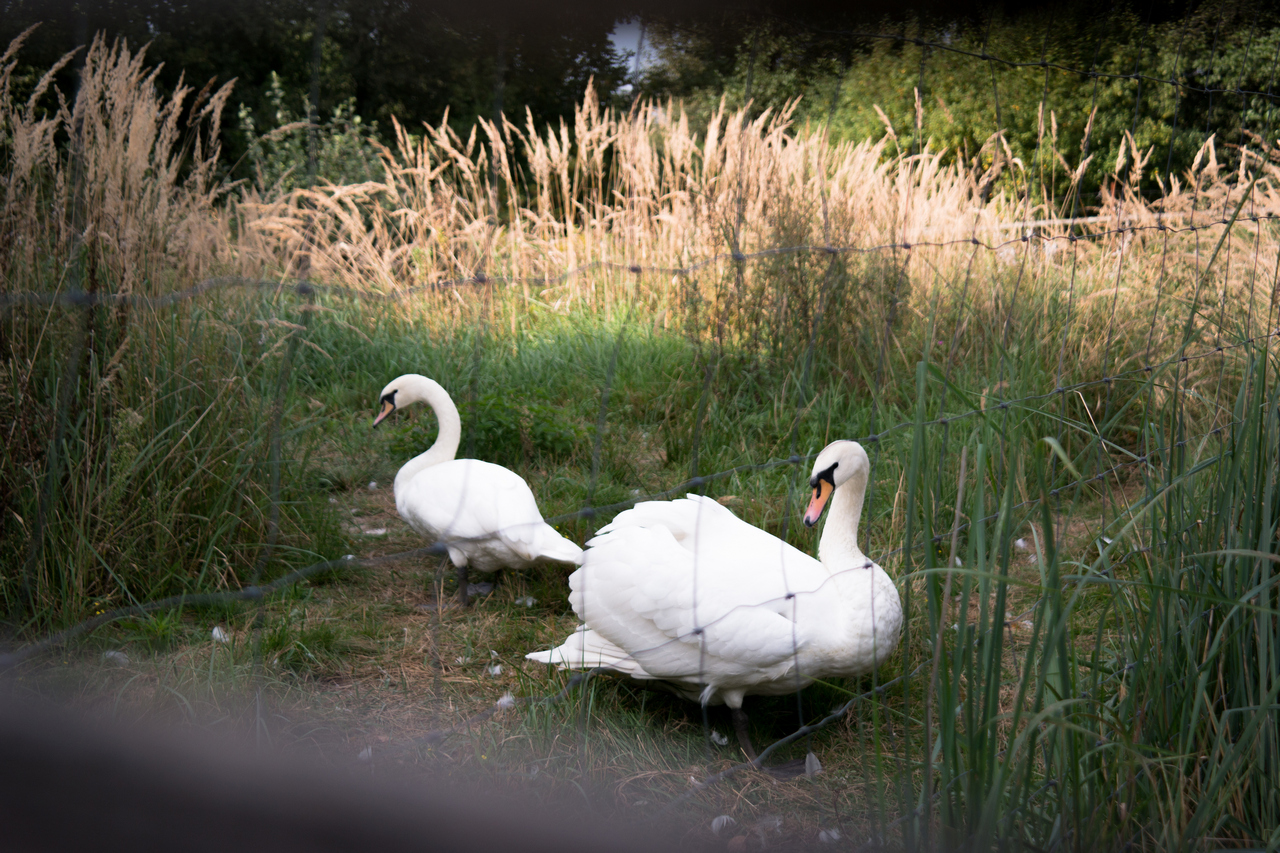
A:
(115, 188)
(118, 188)
(646, 189)
(118, 171)
(133, 177)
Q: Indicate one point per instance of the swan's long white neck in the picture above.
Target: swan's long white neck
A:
(445, 448)
(838, 549)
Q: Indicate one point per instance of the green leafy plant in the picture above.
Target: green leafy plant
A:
(280, 156)
(503, 431)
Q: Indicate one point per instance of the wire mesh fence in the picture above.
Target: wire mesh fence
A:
(1109, 375)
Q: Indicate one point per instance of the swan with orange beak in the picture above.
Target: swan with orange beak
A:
(686, 595)
(484, 514)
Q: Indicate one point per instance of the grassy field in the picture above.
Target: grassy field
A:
(1090, 657)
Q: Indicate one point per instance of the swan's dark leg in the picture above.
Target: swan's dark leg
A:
(462, 586)
(786, 770)
(744, 737)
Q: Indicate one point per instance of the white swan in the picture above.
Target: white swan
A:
(485, 514)
(687, 593)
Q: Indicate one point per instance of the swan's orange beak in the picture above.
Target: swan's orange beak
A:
(821, 493)
(387, 408)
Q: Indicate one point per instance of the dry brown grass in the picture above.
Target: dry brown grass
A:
(645, 188)
(136, 186)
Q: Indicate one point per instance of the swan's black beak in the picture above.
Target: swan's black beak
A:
(823, 485)
(388, 406)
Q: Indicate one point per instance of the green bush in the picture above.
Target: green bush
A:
(504, 431)
(280, 156)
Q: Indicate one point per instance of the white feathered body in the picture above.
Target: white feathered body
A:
(484, 513)
(686, 592)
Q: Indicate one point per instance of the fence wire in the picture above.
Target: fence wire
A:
(306, 288)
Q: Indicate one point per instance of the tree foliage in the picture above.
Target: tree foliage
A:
(1168, 76)
(411, 59)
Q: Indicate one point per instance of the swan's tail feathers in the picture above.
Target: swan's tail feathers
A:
(553, 546)
(585, 649)
(536, 540)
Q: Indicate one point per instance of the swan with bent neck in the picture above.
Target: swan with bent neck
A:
(686, 595)
(485, 515)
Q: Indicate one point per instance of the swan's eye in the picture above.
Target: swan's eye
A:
(828, 475)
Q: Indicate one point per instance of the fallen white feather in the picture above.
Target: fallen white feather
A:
(507, 700)
(719, 739)
(366, 754)
(719, 823)
(772, 821)
(377, 531)
(495, 670)
(116, 657)
(220, 636)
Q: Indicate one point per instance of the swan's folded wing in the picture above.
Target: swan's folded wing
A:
(586, 649)
(521, 527)
(744, 555)
(687, 517)
(644, 592)
(456, 499)
(518, 519)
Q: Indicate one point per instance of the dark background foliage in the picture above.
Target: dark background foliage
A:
(418, 60)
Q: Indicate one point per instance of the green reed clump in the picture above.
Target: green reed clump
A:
(1145, 708)
(163, 473)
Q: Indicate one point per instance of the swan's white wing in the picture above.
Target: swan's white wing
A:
(730, 552)
(586, 649)
(522, 528)
(683, 614)
(453, 499)
(482, 507)
(684, 517)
